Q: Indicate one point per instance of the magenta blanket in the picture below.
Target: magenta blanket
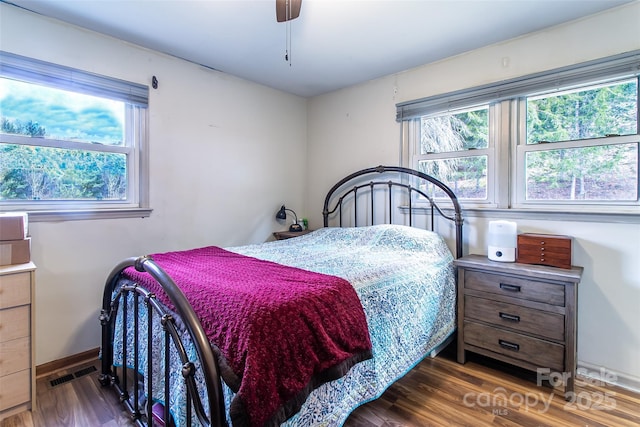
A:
(279, 331)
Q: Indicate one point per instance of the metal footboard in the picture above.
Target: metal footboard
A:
(116, 295)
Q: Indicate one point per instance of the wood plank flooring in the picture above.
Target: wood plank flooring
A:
(437, 392)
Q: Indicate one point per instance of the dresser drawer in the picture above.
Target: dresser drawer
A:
(15, 389)
(516, 287)
(528, 349)
(541, 323)
(532, 350)
(15, 323)
(15, 289)
(17, 367)
(15, 355)
(553, 257)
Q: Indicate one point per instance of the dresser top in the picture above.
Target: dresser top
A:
(481, 262)
(17, 268)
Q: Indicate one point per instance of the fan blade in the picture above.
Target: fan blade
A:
(286, 10)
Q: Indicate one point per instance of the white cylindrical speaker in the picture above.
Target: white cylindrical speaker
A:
(502, 241)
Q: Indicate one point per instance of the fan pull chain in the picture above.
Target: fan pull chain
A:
(287, 52)
(287, 13)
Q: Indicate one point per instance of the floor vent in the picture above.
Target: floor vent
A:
(61, 380)
(85, 371)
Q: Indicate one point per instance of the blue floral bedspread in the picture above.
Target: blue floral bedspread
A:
(406, 282)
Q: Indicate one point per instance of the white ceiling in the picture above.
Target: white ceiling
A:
(334, 43)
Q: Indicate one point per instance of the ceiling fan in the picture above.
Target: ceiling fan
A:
(286, 10)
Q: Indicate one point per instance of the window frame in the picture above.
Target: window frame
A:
(416, 156)
(135, 98)
(520, 179)
(508, 127)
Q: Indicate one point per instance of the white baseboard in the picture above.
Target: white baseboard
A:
(608, 376)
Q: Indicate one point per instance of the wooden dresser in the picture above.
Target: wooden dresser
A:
(17, 362)
(521, 314)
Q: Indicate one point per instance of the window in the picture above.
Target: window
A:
(70, 142)
(454, 148)
(565, 140)
(581, 145)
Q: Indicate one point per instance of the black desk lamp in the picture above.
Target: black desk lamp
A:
(282, 214)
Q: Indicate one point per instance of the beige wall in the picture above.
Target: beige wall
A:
(355, 128)
(221, 165)
(218, 178)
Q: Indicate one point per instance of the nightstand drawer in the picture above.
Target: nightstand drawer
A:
(15, 323)
(15, 355)
(531, 350)
(15, 289)
(541, 323)
(516, 287)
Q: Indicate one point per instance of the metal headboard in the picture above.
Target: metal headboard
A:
(371, 185)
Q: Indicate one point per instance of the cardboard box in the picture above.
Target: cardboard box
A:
(15, 251)
(13, 226)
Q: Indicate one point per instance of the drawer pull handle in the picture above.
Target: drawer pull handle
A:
(508, 287)
(509, 345)
(511, 317)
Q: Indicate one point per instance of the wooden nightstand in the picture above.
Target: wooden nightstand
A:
(522, 314)
(282, 235)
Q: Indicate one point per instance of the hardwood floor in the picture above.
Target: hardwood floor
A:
(483, 392)
(437, 392)
(80, 402)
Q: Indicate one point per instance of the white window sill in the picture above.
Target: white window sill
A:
(84, 214)
(629, 217)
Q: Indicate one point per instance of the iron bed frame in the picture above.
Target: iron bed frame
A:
(115, 293)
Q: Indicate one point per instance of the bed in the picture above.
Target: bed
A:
(359, 303)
